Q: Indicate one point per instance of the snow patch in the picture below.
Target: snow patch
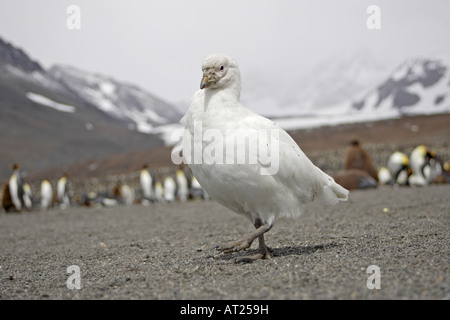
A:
(107, 87)
(49, 103)
(169, 133)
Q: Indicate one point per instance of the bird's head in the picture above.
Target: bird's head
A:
(219, 71)
(422, 152)
(430, 155)
(354, 142)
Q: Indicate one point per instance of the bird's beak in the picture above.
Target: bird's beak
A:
(206, 82)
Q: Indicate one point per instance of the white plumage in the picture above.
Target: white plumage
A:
(127, 194)
(384, 176)
(46, 194)
(423, 165)
(27, 196)
(182, 184)
(159, 192)
(257, 190)
(398, 166)
(14, 187)
(63, 192)
(146, 183)
(170, 189)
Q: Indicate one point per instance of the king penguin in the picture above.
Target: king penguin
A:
(353, 179)
(27, 196)
(123, 193)
(398, 166)
(170, 189)
(423, 165)
(356, 157)
(7, 203)
(159, 191)
(146, 181)
(63, 192)
(46, 194)
(182, 183)
(384, 177)
(196, 190)
(16, 188)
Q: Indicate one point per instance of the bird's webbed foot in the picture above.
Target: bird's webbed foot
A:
(236, 246)
(264, 252)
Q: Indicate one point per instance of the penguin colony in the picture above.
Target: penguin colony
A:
(421, 168)
(16, 194)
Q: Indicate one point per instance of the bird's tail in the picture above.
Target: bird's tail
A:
(333, 193)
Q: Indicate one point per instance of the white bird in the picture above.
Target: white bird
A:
(259, 187)
(46, 194)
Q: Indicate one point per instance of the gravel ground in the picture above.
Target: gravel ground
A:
(167, 251)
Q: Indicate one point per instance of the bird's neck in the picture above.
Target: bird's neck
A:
(234, 88)
(219, 96)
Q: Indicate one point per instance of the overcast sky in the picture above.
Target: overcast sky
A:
(159, 44)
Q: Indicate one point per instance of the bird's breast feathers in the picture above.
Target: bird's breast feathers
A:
(250, 147)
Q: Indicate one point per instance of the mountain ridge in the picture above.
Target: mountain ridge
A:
(36, 129)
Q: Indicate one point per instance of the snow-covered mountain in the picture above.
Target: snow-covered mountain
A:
(126, 102)
(419, 86)
(44, 123)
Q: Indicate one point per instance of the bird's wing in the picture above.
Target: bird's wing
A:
(287, 164)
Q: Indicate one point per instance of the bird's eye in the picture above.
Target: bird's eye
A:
(221, 68)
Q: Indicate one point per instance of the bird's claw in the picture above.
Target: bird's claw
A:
(249, 259)
(235, 246)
